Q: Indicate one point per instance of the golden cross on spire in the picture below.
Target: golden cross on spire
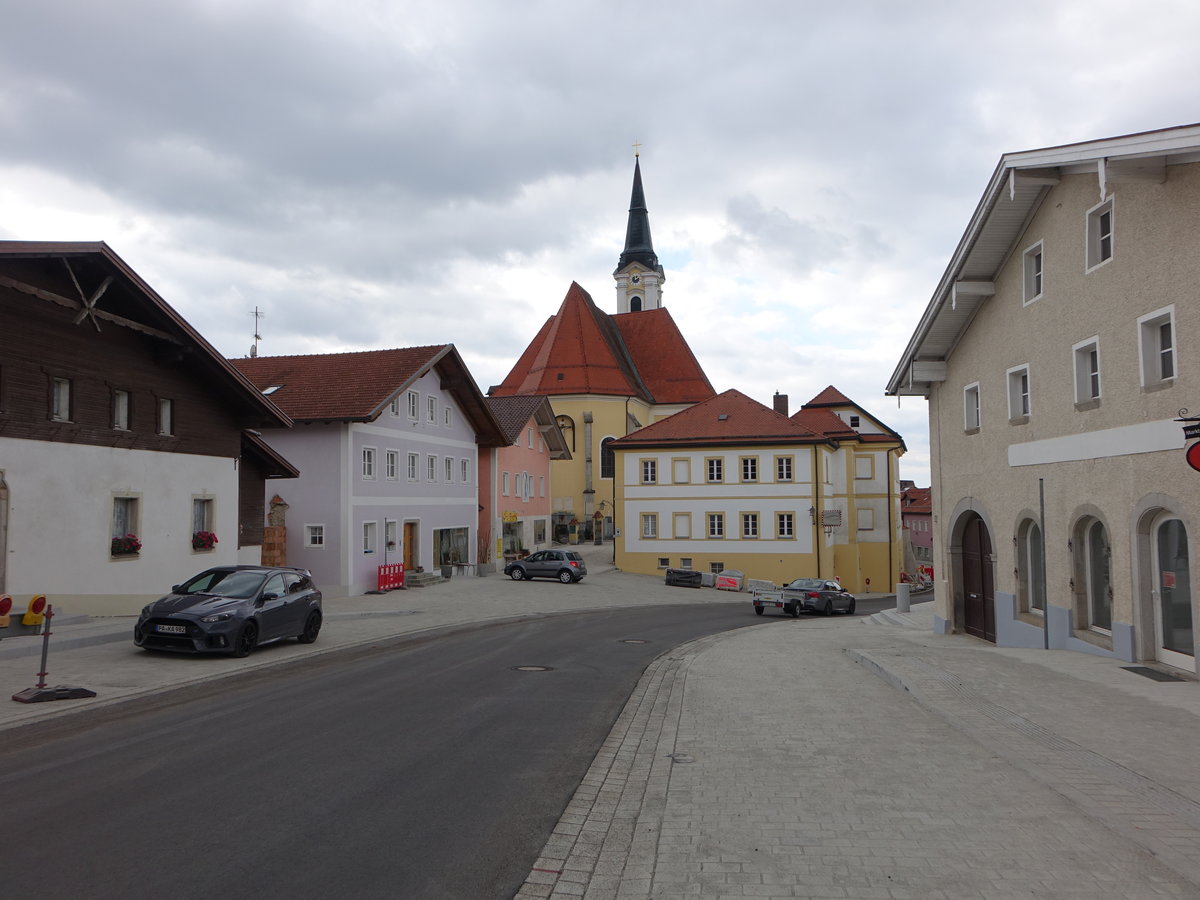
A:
(637, 149)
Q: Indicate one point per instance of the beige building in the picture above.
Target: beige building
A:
(732, 484)
(1054, 354)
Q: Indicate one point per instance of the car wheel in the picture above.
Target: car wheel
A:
(850, 608)
(758, 610)
(312, 627)
(794, 609)
(827, 609)
(246, 640)
(517, 574)
(565, 576)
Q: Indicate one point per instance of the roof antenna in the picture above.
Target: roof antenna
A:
(257, 337)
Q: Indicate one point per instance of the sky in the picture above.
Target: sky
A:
(372, 174)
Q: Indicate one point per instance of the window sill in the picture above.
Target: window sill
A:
(1095, 638)
(974, 430)
(117, 557)
(1158, 386)
(1087, 405)
(1019, 420)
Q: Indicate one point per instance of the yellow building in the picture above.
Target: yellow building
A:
(732, 484)
(607, 375)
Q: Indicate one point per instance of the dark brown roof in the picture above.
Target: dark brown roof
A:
(917, 501)
(582, 350)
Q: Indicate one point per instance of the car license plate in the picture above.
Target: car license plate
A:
(171, 629)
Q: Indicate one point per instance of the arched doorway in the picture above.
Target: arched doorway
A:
(1171, 594)
(978, 583)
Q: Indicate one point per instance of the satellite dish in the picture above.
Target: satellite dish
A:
(253, 350)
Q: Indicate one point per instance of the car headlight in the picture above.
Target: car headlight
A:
(217, 617)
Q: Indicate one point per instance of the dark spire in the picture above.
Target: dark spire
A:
(638, 247)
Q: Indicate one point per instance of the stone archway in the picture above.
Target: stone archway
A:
(972, 575)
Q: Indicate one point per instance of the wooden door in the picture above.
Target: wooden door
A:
(410, 546)
(979, 592)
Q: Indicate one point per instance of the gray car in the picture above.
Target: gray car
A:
(819, 595)
(565, 565)
(232, 609)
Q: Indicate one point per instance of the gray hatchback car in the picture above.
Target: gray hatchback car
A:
(565, 565)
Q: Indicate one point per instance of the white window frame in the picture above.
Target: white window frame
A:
(414, 405)
(972, 417)
(716, 463)
(749, 469)
(431, 403)
(394, 406)
(1019, 405)
(750, 525)
(649, 471)
(649, 526)
(120, 417)
(391, 465)
(414, 466)
(1153, 358)
(529, 437)
(446, 420)
(1086, 364)
(785, 525)
(465, 471)
(166, 416)
(784, 468)
(1097, 252)
(314, 536)
(541, 485)
(1033, 262)
(370, 537)
(132, 506)
(449, 469)
(60, 399)
(714, 525)
(431, 467)
(504, 484)
(368, 463)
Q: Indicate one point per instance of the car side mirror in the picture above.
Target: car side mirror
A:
(269, 595)
(174, 589)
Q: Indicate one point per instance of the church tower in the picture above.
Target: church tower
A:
(638, 274)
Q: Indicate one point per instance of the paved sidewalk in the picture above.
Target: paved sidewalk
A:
(823, 758)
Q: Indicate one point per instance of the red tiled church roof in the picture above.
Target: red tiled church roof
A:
(583, 350)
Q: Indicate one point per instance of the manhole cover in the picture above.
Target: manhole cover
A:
(633, 641)
(532, 669)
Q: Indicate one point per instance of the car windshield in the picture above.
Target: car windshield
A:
(807, 584)
(238, 584)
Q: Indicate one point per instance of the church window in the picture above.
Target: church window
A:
(635, 304)
(607, 466)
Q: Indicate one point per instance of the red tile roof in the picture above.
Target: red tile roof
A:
(339, 386)
(583, 350)
(917, 501)
(831, 396)
(728, 418)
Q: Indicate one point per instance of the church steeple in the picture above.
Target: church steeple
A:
(638, 274)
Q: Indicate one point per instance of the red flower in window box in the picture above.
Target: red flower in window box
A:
(203, 540)
(126, 546)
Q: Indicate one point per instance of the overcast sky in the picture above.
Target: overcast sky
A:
(387, 174)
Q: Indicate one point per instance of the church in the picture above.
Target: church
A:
(608, 375)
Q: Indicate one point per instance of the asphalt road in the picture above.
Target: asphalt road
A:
(417, 768)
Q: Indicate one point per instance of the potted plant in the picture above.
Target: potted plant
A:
(203, 540)
(127, 545)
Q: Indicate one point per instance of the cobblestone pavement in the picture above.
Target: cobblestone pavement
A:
(832, 759)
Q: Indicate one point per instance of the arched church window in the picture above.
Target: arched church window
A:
(607, 467)
(635, 304)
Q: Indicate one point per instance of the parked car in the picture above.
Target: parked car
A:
(232, 609)
(819, 595)
(565, 565)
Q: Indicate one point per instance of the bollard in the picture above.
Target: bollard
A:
(902, 597)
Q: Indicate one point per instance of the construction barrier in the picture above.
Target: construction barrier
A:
(391, 576)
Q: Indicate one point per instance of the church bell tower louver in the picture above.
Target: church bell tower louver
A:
(638, 274)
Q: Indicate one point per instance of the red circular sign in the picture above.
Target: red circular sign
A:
(1193, 456)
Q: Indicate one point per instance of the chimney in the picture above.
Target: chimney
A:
(781, 403)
